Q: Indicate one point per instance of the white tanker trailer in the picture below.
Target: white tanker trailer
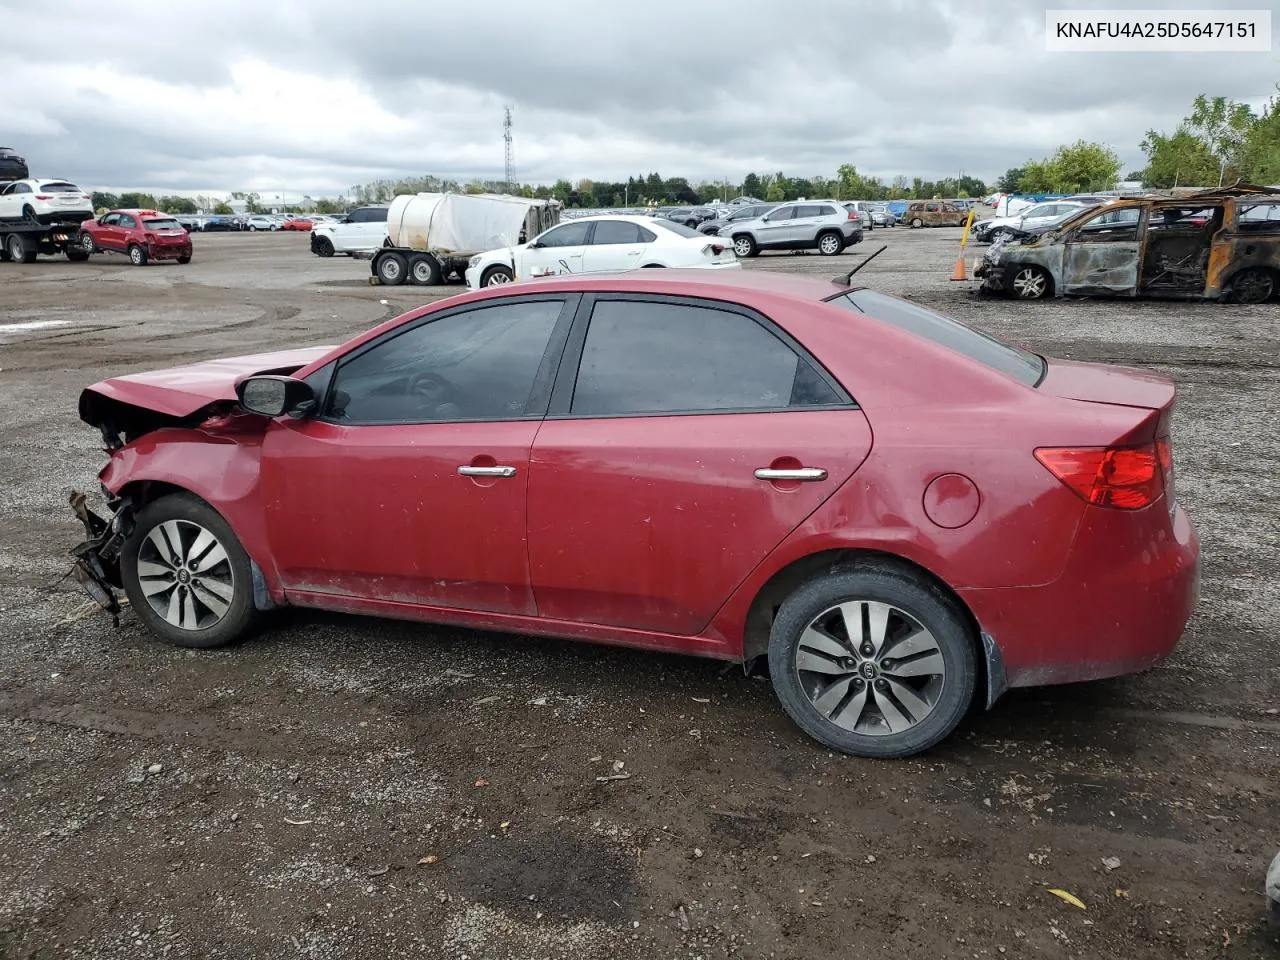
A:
(431, 236)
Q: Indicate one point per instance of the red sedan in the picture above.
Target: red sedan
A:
(297, 223)
(899, 513)
(141, 235)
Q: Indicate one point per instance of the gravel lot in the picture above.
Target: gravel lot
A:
(280, 798)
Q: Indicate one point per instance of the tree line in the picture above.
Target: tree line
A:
(1219, 141)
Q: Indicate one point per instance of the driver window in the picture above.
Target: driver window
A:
(477, 365)
(568, 235)
(1111, 225)
(111, 219)
(782, 213)
(126, 221)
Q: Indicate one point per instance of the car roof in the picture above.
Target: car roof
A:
(692, 282)
(140, 211)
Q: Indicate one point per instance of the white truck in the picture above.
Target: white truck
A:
(432, 236)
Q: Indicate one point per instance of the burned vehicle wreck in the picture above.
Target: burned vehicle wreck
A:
(1219, 244)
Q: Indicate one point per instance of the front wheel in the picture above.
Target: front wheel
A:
(324, 247)
(137, 255)
(186, 574)
(1030, 283)
(830, 244)
(185, 259)
(87, 244)
(496, 276)
(745, 246)
(1254, 285)
(392, 269)
(873, 661)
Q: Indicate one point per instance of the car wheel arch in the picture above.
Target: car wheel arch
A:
(784, 581)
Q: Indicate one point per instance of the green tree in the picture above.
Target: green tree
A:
(175, 204)
(222, 208)
(104, 201)
(1074, 168)
(776, 192)
(751, 186)
(1223, 125)
(1178, 159)
(139, 201)
(1260, 158)
(1009, 182)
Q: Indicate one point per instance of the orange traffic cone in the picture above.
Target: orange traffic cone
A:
(959, 273)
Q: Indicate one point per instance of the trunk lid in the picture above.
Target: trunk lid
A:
(181, 392)
(1101, 383)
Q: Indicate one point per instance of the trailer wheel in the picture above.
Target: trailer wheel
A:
(424, 271)
(391, 269)
(19, 249)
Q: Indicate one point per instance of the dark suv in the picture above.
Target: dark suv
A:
(12, 166)
(738, 214)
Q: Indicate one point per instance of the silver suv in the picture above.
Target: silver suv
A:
(824, 225)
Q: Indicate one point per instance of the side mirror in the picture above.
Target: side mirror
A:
(273, 396)
(536, 245)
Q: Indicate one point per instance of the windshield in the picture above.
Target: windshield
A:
(1015, 362)
(162, 223)
(59, 187)
(679, 228)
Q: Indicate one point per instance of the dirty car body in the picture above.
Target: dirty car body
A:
(736, 465)
(1212, 245)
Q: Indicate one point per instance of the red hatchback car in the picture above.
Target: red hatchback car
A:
(900, 513)
(303, 224)
(142, 235)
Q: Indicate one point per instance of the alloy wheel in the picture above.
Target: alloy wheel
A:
(1030, 283)
(498, 278)
(86, 243)
(870, 668)
(742, 247)
(185, 574)
(829, 245)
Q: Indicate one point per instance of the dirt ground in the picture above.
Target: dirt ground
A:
(280, 798)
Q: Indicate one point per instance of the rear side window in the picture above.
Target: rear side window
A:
(644, 357)
(369, 215)
(1017, 363)
(617, 231)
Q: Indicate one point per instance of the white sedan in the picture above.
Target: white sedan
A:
(605, 244)
(44, 201)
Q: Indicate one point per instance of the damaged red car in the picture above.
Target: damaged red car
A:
(901, 515)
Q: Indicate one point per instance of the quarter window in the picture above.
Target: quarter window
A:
(644, 357)
(477, 365)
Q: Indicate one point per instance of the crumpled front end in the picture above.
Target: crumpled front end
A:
(991, 269)
(97, 563)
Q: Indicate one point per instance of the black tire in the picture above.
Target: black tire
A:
(1253, 285)
(185, 512)
(87, 244)
(830, 243)
(29, 214)
(186, 259)
(137, 255)
(324, 247)
(744, 245)
(76, 255)
(392, 269)
(425, 271)
(20, 249)
(497, 275)
(914, 600)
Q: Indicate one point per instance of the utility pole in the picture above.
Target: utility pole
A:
(506, 140)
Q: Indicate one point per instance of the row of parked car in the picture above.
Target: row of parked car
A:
(253, 222)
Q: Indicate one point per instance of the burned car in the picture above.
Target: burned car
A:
(1219, 244)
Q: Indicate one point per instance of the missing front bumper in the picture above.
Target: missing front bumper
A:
(97, 564)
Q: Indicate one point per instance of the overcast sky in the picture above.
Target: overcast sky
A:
(317, 95)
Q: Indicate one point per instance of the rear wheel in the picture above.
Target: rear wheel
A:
(186, 574)
(830, 244)
(916, 222)
(29, 214)
(496, 276)
(425, 271)
(873, 661)
(137, 255)
(185, 259)
(87, 244)
(392, 269)
(1030, 283)
(1254, 285)
(745, 246)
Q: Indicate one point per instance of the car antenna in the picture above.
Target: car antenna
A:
(844, 280)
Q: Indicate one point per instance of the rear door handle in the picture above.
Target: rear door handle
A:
(469, 471)
(799, 473)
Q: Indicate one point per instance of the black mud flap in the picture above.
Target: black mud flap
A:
(97, 564)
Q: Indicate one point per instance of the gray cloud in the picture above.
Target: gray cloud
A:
(317, 96)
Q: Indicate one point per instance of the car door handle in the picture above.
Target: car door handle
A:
(469, 471)
(799, 473)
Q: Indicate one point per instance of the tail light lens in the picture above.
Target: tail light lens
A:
(853, 216)
(43, 196)
(715, 249)
(1124, 478)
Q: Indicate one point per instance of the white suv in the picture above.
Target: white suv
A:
(362, 231)
(45, 201)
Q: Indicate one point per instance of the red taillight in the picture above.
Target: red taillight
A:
(43, 196)
(853, 216)
(1126, 478)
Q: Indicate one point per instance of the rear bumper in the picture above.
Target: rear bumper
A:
(1120, 606)
(168, 252)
